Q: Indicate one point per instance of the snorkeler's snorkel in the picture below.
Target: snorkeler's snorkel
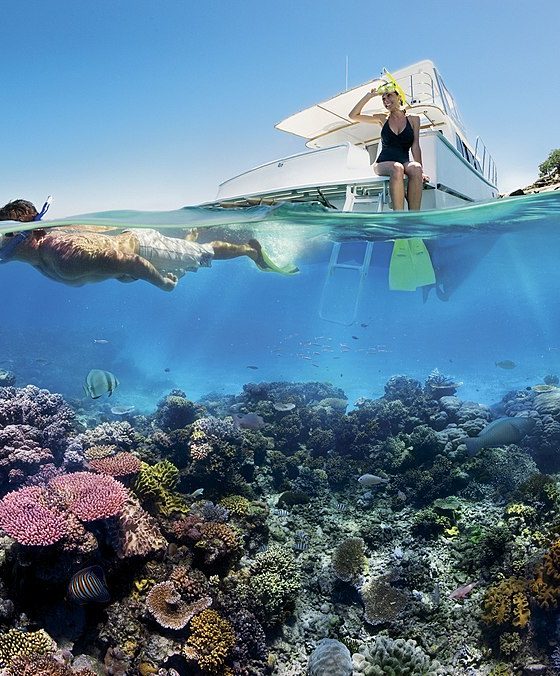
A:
(44, 208)
(392, 86)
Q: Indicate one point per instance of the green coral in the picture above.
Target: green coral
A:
(348, 560)
(236, 505)
(14, 643)
(273, 584)
(385, 656)
(155, 483)
(429, 524)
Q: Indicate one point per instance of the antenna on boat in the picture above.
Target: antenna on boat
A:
(346, 73)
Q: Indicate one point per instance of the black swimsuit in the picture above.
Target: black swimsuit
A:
(396, 147)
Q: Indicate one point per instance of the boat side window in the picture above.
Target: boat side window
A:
(466, 152)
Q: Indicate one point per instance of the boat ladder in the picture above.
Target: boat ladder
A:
(346, 276)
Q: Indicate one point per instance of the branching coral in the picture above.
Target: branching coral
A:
(546, 585)
(27, 516)
(90, 496)
(15, 642)
(211, 641)
(120, 464)
(273, 585)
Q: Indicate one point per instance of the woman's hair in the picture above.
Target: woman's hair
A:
(18, 210)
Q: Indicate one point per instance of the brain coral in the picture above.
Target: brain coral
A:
(385, 656)
(330, 658)
(15, 642)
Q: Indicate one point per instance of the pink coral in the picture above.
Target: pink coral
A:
(121, 464)
(90, 496)
(26, 516)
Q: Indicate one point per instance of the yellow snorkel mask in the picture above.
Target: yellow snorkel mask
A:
(392, 86)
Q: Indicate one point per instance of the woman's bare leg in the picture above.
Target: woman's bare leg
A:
(415, 184)
(395, 170)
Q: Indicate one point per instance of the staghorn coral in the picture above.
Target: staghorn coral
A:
(28, 516)
(43, 665)
(90, 496)
(385, 656)
(330, 658)
(211, 641)
(348, 560)
(120, 464)
(506, 604)
(15, 642)
(165, 604)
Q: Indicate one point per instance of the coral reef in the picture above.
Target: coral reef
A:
(211, 641)
(385, 656)
(330, 658)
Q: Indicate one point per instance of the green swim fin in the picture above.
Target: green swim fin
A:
(410, 265)
(423, 268)
(270, 266)
(401, 267)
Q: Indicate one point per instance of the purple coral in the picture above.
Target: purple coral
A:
(90, 496)
(26, 516)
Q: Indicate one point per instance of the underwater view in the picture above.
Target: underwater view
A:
(281, 466)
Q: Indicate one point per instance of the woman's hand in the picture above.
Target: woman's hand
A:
(425, 178)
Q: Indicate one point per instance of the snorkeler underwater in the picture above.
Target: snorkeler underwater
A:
(335, 449)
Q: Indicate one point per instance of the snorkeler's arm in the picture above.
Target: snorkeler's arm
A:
(356, 113)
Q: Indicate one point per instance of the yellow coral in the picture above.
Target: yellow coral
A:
(506, 603)
(546, 585)
(156, 482)
(14, 643)
(236, 504)
(211, 640)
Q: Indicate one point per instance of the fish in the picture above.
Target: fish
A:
(355, 337)
(364, 325)
(501, 432)
(248, 421)
(506, 364)
(197, 493)
(288, 406)
(122, 410)
(340, 507)
(98, 382)
(89, 584)
(101, 341)
(463, 591)
(280, 512)
(167, 370)
(372, 480)
(255, 368)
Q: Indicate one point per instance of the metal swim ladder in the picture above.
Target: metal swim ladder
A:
(355, 273)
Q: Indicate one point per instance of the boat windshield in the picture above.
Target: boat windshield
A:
(448, 101)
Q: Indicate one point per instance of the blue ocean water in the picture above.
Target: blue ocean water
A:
(500, 262)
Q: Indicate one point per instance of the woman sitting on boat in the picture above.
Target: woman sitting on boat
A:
(399, 136)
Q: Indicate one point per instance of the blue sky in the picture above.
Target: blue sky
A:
(139, 104)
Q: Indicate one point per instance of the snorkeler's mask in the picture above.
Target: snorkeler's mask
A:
(392, 86)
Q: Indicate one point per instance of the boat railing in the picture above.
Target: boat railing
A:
(419, 87)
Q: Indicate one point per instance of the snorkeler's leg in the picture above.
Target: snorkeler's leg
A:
(395, 170)
(415, 185)
(252, 249)
(132, 265)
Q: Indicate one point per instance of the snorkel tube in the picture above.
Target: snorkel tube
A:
(392, 86)
(44, 208)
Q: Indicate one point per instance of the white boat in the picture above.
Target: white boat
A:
(337, 168)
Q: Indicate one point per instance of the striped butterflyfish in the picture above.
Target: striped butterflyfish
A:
(87, 585)
(98, 382)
